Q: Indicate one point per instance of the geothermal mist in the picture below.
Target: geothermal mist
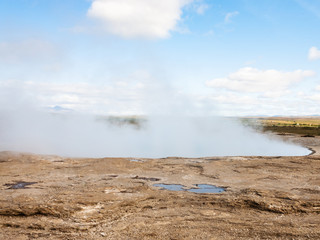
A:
(30, 130)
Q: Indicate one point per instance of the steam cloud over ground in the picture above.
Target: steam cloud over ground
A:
(30, 130)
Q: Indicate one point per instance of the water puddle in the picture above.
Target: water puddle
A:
(19, 185)
(171, 187)
(200, 188)
(206, 188)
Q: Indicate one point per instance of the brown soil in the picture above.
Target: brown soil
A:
(51, 197)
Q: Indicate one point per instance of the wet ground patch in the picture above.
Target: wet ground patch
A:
(136, 160)
(19, 185)
(152, 179)
(308, 136)
(200, 188)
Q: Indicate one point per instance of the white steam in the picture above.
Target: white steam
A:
(31, 130)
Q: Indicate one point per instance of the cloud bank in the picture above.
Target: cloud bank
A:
(254, 80)
(138, 18)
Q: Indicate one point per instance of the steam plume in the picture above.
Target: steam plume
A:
(24, 127)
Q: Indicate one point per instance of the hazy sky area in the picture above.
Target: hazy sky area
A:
(217, 57)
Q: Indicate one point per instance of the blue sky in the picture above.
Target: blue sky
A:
(225, 57)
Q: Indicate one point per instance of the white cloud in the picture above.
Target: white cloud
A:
(239, 104)
(314, 53)
(138, 18)
(200, 9)
(259, 81)
(230, 15)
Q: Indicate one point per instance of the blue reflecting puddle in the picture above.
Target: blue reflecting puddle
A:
(206, 188)
(171, 187)
(201, 188)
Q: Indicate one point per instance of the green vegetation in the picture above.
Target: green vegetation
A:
(309, 126)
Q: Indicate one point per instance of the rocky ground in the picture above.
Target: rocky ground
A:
(51, 197)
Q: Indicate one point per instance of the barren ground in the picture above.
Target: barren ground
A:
(265, 197)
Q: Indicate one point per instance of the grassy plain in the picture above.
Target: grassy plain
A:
(308, 126)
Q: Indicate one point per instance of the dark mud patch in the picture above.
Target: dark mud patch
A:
(308, 136)
(152, 179)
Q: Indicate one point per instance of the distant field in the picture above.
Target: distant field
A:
(298, 125)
